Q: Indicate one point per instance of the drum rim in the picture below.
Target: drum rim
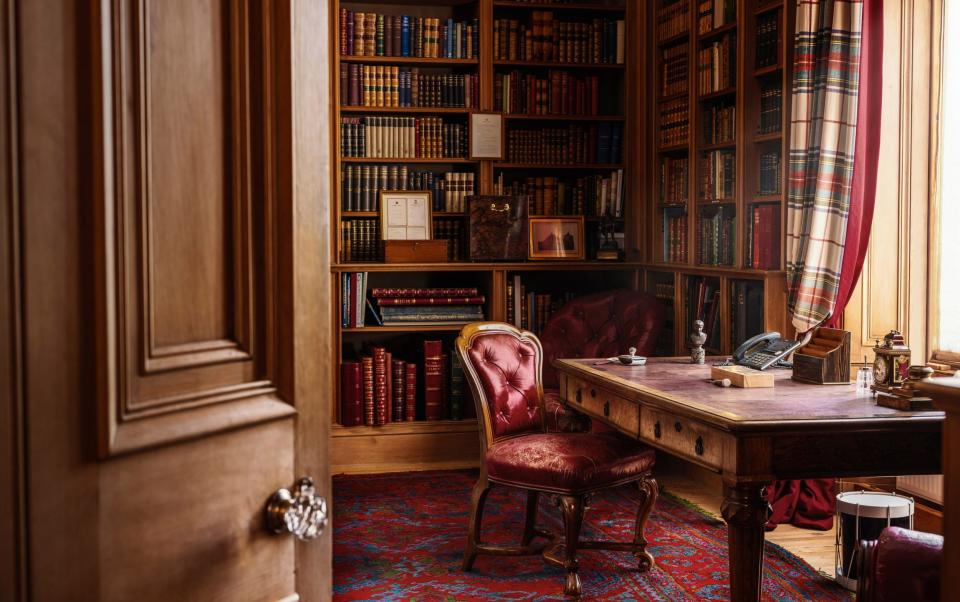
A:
(901, 510)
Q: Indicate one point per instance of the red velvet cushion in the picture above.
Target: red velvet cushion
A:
(907, 565)
(568, 462)
(507, 368)
(601, 325)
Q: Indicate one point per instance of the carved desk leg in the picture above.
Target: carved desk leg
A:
(746, 510)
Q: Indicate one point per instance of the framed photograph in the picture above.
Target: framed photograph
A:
(406, 215)
(486, 136)
(556, 238)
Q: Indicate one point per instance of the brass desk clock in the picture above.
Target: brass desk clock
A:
(892, 363)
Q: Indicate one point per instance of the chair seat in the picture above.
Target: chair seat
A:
(568, 463)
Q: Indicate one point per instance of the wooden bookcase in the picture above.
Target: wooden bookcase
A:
(630, 99)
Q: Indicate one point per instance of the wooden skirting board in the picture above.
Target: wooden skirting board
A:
(403, 447)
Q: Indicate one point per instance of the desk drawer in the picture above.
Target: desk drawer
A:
(686, 437)
(603, 404)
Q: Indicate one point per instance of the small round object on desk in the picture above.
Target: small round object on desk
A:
(863, 515)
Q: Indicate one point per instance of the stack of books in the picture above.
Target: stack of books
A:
(374, 34)
(594, 143)
(600, 40)
(559, 93)
(428, 306)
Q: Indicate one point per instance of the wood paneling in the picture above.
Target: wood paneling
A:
(182, 296)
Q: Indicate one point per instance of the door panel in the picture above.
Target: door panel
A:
(172, 338)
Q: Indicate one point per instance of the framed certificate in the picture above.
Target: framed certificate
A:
(405, 215)
(486, 136)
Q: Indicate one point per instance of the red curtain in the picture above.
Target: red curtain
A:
(810, 503)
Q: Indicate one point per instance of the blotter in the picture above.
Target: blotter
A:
(742, 376)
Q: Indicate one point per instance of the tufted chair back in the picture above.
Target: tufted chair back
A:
(602, 325)
(502, 365)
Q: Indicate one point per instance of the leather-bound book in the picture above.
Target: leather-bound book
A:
(445, 386)
(351, 394)
(456, 387)
(380, 415)
(367, 370)
(388, 370)
(433, 380)
(398, 391)
(410, 384)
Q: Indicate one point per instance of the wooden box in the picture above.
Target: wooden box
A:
(825, 360)
(415, 251)
(742, 376)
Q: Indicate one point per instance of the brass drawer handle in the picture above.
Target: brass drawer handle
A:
(677, 426)
(698, 447)
(656, 430)
(606, 409)
(579, 396)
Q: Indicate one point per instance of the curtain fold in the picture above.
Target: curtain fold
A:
(835, 140)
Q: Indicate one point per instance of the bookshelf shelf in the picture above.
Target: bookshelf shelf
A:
(672, 97)
(717, 32)
(717, 94)
(766, 7)
(416, 427)
(590, 166)
(717, 146)
(487, 266)
(674, 39)
(556, 65)
(537, 117)
(767, 198)
(768, 70)
(674, 148)
(404, 329)
(407, 110)
(709, 202)
(409, 60)
(768, 137)
(402, 161)
(572, 6)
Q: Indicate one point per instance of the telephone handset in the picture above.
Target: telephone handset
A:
(764, 350)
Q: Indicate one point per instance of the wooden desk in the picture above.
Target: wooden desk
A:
(752, 436)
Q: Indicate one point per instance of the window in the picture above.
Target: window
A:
(946, 317)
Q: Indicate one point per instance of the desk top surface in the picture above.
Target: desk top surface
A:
(676, 385)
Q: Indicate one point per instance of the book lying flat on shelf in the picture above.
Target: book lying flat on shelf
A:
(409, 306)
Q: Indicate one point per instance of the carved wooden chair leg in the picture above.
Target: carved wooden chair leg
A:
(572, 506)
(530, 523)
(479, 497)
(649, 490)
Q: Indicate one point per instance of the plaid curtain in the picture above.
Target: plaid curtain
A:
(822, 142)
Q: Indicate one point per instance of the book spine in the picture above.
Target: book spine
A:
(399, 391)
(433, 380)
(431, 300)
(380, 392)
(410, 385)
(351, 394)
(369, 414)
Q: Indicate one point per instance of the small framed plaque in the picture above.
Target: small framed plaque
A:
(486, 136)
(405, 215)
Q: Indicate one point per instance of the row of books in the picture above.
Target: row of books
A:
(770, 182)
(559, 93)
(716, 171)
(402, 137)
(674, 235)
(768, 39)
(530, 310)
(673, 18)
(674, 122)
(454, 231)
(386, 86)
(712, 14)
(423, 307)
(594, 143)
(375, 34)
(353, 299)
(762, 250)
(674, 179)
(600, 40)
(716, 240)
(360, 240)
(360, 186)
(719, 123)
(588, 195)
(717, 65)
(703, 303)
(673, 70)
(381, 388)
(771, 99)
(747, 303)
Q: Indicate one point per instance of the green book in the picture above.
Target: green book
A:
(456, 388)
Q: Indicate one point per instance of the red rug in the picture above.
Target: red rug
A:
(401, 536)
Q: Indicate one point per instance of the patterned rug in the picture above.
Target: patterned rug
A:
(401, 536)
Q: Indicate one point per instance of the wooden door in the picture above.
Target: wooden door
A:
(170, 296)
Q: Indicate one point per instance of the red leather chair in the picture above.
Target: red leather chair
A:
(598, 325)
(503, 366)
(900, 565)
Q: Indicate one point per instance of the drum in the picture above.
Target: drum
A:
(863, 515)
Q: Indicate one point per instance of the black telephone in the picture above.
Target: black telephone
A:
(764, 350)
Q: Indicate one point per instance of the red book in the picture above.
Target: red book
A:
(380, 415)
(391, 293)
(368, 412)
(432, 300)
(388, 369)
(351, 394)
(410, 412)
(343, 31)
(755, 243)
(398, 390)
(433, 380)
